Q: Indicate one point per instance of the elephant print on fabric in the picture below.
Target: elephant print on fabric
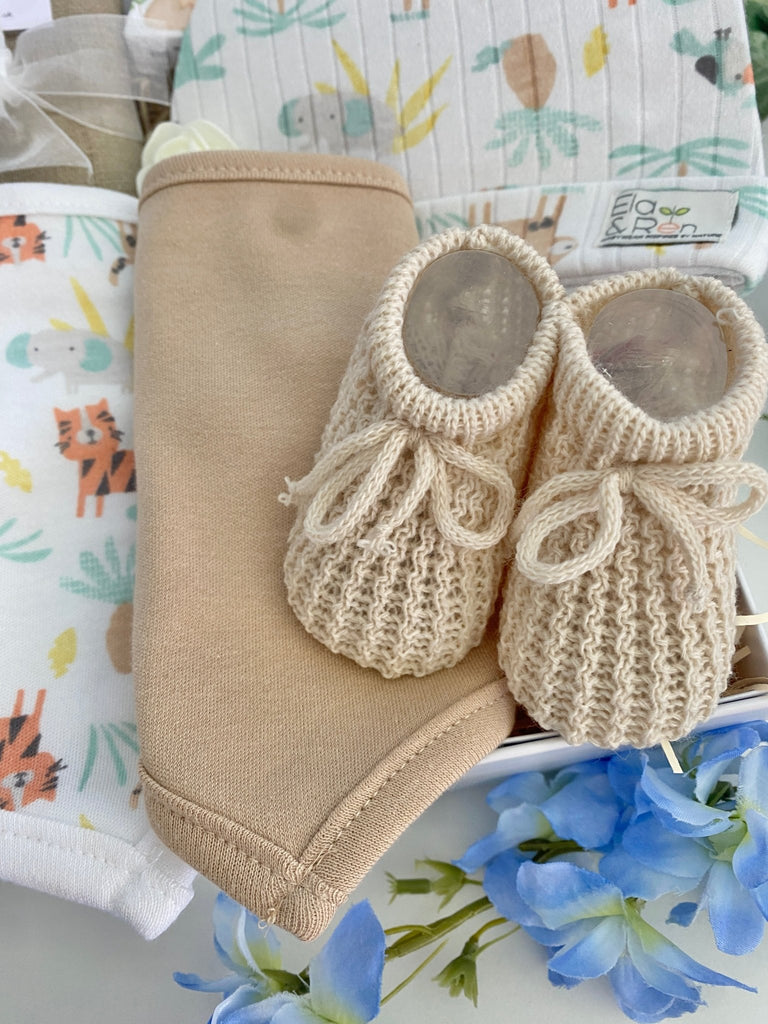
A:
(104, 468)
(334, 121)
(80, 355)
(26, 772)
(20, 241)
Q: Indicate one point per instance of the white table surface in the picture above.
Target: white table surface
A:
(68, 964)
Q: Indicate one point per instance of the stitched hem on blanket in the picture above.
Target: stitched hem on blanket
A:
(144, 884)
(302, 894)
(229, 166)
(74, 200)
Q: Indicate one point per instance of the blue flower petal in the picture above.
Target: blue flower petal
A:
(676, 810)
(500, 885)
(636, 879)
(484, 850)
(560, 980)
(668, 852)
(345, 976)
(244, 997)
(515, 825)
(556, 938)
(561, 893)
(595, 954)
(264, 1012)
(224, 985)
(661, 951)
(526, 788)
(717, 750)
(624, 770)
(683, 914)
(300, 1013)
(760, 896)
(753, 781)
(750, 859)
(640, 1001)
(585, 809)
(659, 975)
(736, 921)
(226, 917)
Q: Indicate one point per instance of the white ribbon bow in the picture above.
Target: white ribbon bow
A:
(82, 68)
(664, 490)
(373, 454)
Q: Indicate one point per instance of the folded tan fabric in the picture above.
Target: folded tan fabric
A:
(278, 769)
(115, 158)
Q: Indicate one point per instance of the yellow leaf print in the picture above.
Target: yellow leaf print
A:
(14, 473)
(355, 75)
(419, 131)
(60, 325)
(416, 103)
(92, 315)
(129, 336)
(63, 652)
(596, 50)
(325, 88)
(393, 90)
(85, 823)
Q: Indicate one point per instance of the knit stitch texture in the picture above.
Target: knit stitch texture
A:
(618, 620)
(396, 555)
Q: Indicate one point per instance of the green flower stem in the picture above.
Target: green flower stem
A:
(724, 790)
(451, 879)
(489, 924)
(419, 936)
(546, 849)
(408, 886)
(412, 975)
(492, 942)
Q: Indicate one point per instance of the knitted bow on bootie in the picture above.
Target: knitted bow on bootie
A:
(376, 452)
(667, 492)
(396, 555)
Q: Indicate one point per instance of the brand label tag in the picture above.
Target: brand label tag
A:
(668, 216)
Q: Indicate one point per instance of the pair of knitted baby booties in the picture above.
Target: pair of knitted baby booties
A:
(608, 533)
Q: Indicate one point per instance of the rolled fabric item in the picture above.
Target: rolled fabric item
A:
(114, 150)
(278, 769)
(621, 139)
(72, 817)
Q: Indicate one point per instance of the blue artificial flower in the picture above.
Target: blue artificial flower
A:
(705, 830)
(247, 949)
(591, 930)
(577, 805)
(344, 979)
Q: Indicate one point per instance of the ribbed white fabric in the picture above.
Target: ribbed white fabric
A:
(72, 818)
(539, 115)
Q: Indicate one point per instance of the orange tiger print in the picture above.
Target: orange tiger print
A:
(103, 469)
(26, 772)
(128, 241)
(20, 241)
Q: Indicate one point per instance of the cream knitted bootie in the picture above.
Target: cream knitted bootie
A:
(396, 555)
(618, 620)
